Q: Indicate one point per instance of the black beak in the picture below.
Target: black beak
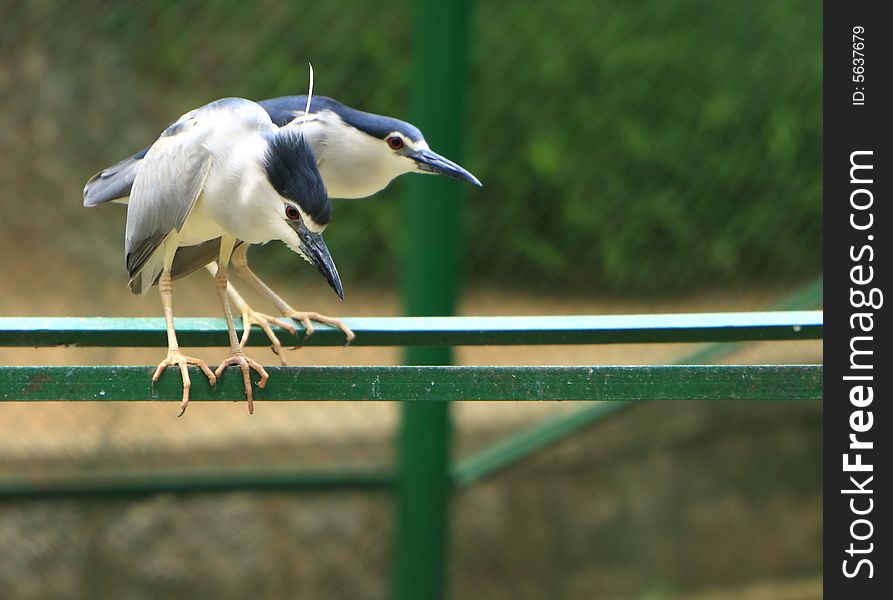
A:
(314, 249)
(432, 162)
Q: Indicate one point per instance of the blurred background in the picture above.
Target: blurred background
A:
(649, 157)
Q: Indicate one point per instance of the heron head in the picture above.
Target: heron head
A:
(304, 207)
(405, 143)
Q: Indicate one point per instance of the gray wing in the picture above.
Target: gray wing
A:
(113, 183)
(187, 260)
(190, 259)
(169, 181)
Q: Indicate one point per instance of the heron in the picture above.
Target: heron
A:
(221, 176)
(358, 154)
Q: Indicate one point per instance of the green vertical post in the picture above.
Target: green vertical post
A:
(440, 41)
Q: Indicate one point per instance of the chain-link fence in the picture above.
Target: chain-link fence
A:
(660, 156)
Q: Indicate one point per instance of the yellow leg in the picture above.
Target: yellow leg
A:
(237, 357)
(240, 264)
(174, 357)
(252, 317)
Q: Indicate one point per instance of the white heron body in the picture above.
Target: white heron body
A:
(205, 179)
(222, 175)
(358, 153)
(234, 172)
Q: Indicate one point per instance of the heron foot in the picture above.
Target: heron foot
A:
(307, 318)
(182, 361)
(252, 317)
(246, 365)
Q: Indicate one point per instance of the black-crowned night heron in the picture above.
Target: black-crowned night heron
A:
(222, 175)
(358, 154)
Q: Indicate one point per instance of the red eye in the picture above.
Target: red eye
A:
(292, 212)
(395, 142)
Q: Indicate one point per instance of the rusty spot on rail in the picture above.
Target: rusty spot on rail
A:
(36, 383)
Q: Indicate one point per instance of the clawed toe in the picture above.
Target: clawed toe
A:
(307, 318)
(246, 365)
(251, 317)
(182, 361)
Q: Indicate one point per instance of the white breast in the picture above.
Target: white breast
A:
(239, 199)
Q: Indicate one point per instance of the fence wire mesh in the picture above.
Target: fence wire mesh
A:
(658, 156)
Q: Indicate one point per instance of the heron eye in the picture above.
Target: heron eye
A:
(395, 142)
(292, 212)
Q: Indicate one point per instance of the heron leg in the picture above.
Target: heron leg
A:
(240, 264)
(252, 317)
(173, 349)
(237, 357)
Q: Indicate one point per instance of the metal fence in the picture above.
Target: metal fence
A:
(656, 157)
(421, 489)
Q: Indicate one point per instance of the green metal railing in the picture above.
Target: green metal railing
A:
(431, 331)
(535, 438)
(428, 384)
(431, 383)
(419, 385)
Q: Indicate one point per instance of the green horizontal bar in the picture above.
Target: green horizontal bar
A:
(130, 483)
(796, 382)
(507, 451)
(429, 331)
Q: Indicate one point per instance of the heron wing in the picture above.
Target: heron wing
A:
(165, 189)
(113, 183)
(189, 259)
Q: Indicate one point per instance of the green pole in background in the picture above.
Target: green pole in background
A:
(439, 42)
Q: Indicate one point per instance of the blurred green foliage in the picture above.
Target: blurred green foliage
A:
(651, 150)
(661, 148)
